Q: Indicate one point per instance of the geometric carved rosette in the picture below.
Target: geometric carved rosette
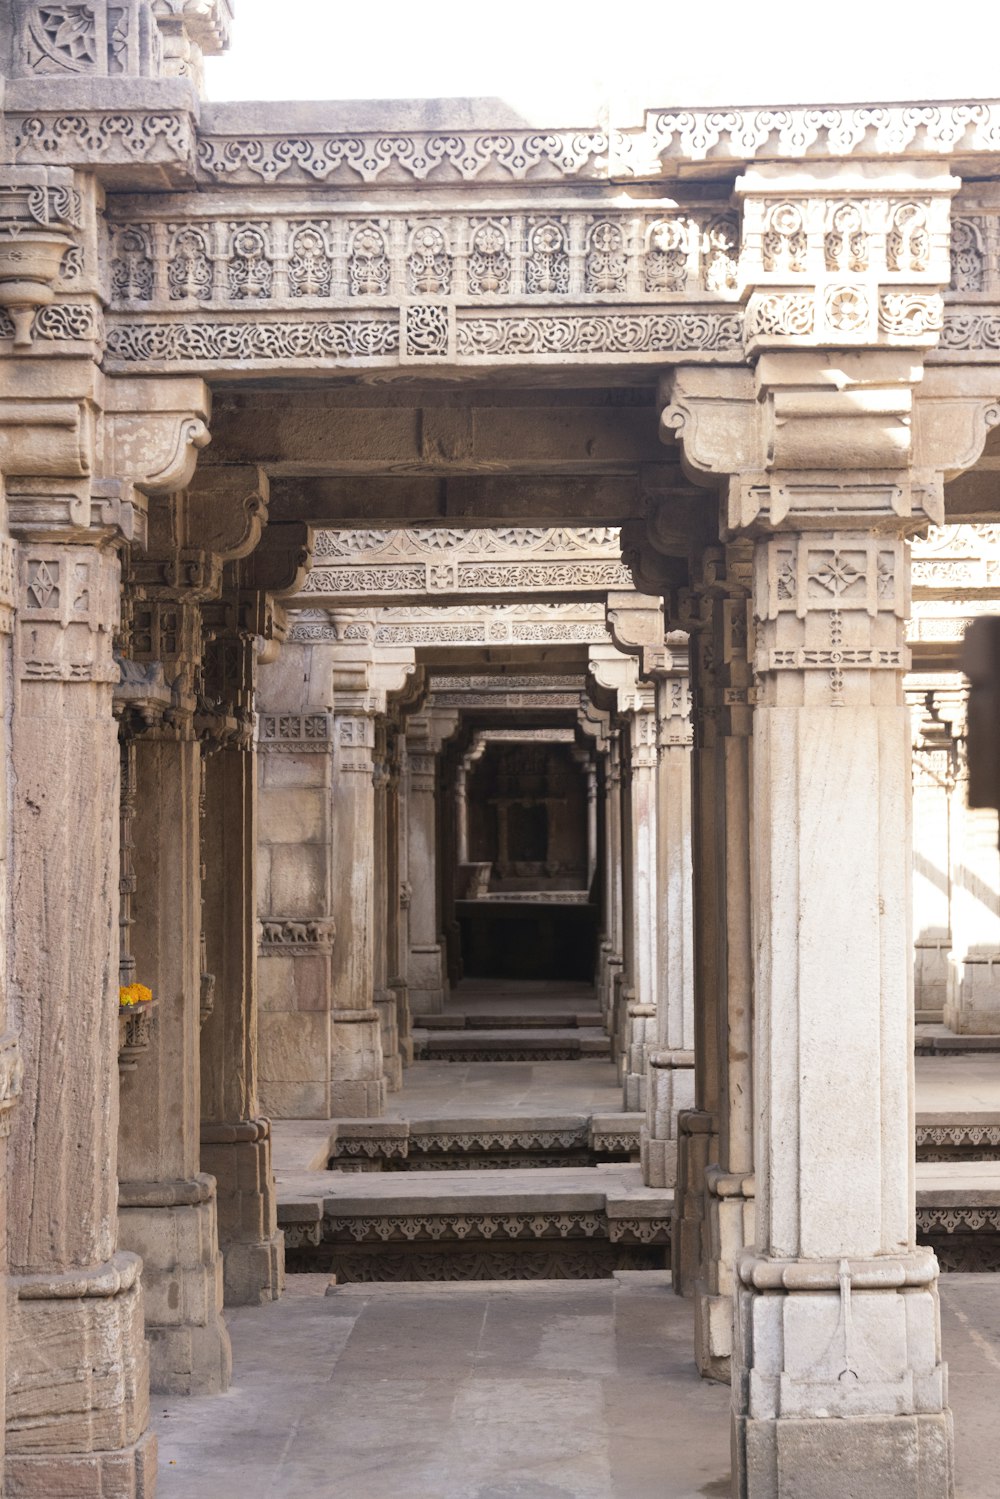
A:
(830, 602)
(68, 603)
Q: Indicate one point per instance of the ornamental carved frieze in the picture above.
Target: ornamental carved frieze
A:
(492, 624)
(295, 733)
(428, 561)
(289, 937)
(860, 261)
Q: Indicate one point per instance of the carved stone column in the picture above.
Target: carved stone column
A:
(426, 974)
(385, 1001)
(972, 1002)
(167, 1206)
(362, 677)
(235, 1139)
(642, 942)
(937, 714)
(697, 1128)
(671, 1063)
(595, 725)
(838, 1380)
(729, 1180)
(295, 862)
(10, 1052)
(74, 1421)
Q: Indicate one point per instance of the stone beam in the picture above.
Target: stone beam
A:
(396, 566)
(485, 499)
(355, 431)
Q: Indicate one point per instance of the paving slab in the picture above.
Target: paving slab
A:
(502, 1390)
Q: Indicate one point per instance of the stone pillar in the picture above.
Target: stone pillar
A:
(838, 1381)
(838, 1344)
(729, 1180)
(670, 1086)
(937, 711)
(363, 675)
(398, 896)
(972, 1001)
(167, 1206)
(76, 1422)
(10, 1053)
(235, 1139)
(614, 877)
(385, 1000)
(426, 974)
(295, 861)
(642, 946)
(697, 1128)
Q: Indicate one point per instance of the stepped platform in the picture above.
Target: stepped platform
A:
(556, 1222)
(497, 1020)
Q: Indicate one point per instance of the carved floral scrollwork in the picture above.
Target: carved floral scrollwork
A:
(489, 264)
(547, 259)
(310, 264)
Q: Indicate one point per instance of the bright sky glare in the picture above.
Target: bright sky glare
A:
(566, 56)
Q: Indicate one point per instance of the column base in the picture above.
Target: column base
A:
(640, 1038)
(838, 1384)
(404, 1024)
(730, 1221)
(867, 1457)
(669, 1089)
(357, 1086)
(129, 1473)
(697, 1143)
(173, 1226)
(253, 1252)
(78, 1386)
(392, 1062)
(425, 980)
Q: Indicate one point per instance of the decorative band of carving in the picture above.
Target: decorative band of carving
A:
(598, 331)
(197, 340)
(958, 1220)
(283, 936)
(295, 733)
(72, 322)
(104, 135)
(499, 156)
(958, 1134)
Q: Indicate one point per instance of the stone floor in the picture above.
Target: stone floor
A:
(526, 1390)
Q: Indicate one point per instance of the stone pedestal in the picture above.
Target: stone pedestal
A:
(76, 1422)
(168, 1212)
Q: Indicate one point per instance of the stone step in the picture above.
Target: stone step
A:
(564, 1222)
(499, 1020)
(480, 1142)
(958, 1213)
(544, 1044)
